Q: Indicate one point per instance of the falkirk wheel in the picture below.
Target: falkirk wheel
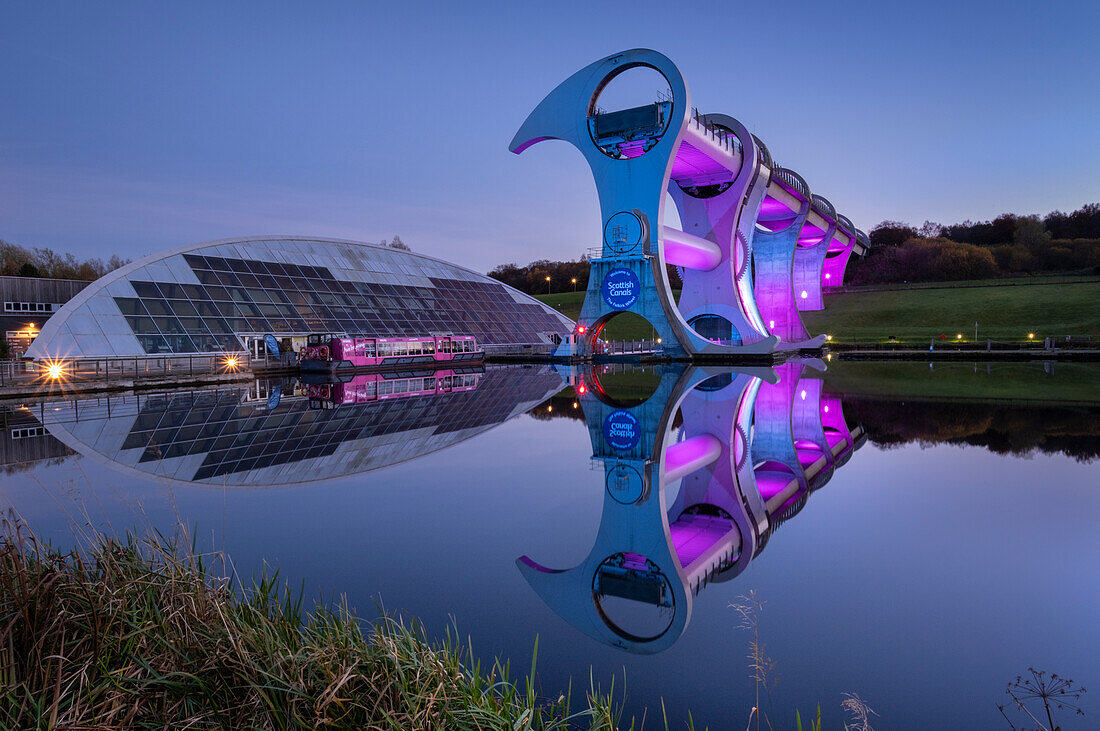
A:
(755, 247)
(697, 478)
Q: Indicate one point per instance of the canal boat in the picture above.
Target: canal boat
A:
(326, 353)
(330, 392)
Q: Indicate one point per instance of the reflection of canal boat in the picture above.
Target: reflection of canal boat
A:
(369, 387)
(326, 353)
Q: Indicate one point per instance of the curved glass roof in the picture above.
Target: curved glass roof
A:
(206, 297)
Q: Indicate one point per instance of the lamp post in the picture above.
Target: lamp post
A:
(574, 284)
(548, 285)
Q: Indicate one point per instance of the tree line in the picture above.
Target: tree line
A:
(1006, 246)
(19, 261)
(531, 278)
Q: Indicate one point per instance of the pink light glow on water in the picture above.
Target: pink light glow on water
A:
(685, 457)
(692, 535)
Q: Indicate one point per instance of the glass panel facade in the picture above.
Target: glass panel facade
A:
(311, 299)
(220, 436)
(298, 286)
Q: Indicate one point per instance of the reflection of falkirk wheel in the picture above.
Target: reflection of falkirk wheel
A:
(743, 220)
(679, 514)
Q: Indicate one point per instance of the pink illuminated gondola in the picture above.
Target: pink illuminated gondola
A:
(331, 353)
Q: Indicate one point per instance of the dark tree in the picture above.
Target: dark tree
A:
(891, 233)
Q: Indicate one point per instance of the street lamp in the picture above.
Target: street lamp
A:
(548, 285)
(574, 284)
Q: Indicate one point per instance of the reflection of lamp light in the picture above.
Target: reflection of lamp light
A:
(803, 395)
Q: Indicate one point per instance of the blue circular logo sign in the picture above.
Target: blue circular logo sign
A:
(621, 288)
(621, 430)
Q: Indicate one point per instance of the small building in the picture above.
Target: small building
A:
(28, 303)
(227, 296)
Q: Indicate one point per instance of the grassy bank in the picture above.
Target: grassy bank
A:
(627, 326)
(1005, 311)
(1029, 381)
(130, 635)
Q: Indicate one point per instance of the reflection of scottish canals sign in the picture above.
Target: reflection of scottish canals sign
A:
(273, 399)
(621, 430)
(624, 484)
(621, 288)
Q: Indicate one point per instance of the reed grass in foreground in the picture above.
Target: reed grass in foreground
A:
(133, 634)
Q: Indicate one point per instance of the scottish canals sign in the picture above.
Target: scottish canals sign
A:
(621, 430)
(621, 288)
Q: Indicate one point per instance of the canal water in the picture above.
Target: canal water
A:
(916, 534)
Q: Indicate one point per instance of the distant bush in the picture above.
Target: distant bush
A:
(1058, 242)
(532, 278)
(925, 260)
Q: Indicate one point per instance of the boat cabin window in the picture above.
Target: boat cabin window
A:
(445, 346)
(385, 350)
(313, 340)
(400, 349)
(429, 347)
(368, 349)
(414, 347)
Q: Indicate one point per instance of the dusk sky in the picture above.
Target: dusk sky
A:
(129, 127)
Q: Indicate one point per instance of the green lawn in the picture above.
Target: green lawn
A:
(1005, 312)
(627, 326)
(921, 315)
(1028, 381)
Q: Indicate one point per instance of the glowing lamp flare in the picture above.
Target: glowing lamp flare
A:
(55, 370)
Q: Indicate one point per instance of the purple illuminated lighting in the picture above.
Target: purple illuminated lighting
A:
(772, 478)
(692, 454)
(837, 433)
(683, 249)
(772, 207)
(692, 535)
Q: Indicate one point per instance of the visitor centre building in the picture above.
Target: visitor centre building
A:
(227, 296)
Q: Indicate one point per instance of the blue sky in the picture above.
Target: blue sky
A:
(129, 127)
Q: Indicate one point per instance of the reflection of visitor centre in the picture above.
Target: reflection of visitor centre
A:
(227, 295)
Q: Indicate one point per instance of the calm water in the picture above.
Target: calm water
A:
(935, 550)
